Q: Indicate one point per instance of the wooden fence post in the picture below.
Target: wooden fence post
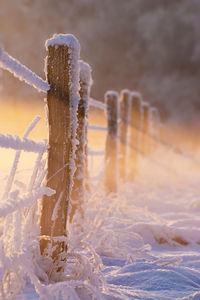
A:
(124, 111)
(145, 129)
(157, 121)
(62, 100)
(111, 172)
(135, 133)
(77, 196)
(87, 94)
(154, 117)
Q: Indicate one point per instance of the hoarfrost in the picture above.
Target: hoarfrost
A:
(63, 40)
(85, 73)
(72, 43)
(111, 94)
(14, 202)
(16, 143)
(96, 127)
(16, 159)
(96, 103)
(81, 133)
(10, 64)
(145, 104)
(136, 95)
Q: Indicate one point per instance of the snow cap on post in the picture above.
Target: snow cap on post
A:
(145, 104)
(73, 45)
(136, 95)
(125, 92)
(111, 96)
(68, 40)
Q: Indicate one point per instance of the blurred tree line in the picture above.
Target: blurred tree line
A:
(148, 45)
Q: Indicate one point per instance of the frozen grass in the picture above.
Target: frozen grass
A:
(21, 265)
(142, 244)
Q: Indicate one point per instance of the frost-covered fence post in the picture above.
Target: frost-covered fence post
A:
(87, 94)
(145, 129)
(157, 121)
(154, 120)
(62, 100)
(124, 105)
(135, 134)
(77, 196)
(111, 151)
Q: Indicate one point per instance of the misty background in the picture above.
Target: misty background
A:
(152, 46)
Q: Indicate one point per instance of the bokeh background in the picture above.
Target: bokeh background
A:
(152, 46)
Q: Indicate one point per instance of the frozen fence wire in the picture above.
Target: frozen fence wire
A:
(15, 143)
(95, 127)
(95, 152)
(10, 64)
(149, 135)
(98, 104)
(16, 159)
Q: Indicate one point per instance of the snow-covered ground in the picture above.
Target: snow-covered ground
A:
(149, 237)
(142, 244)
